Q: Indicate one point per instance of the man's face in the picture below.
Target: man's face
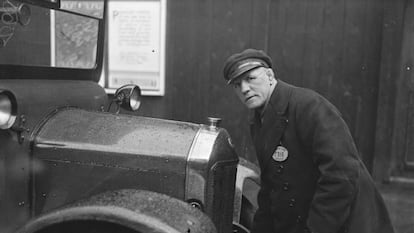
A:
(254, 87)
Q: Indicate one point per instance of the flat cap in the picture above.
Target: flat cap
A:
(240, 63)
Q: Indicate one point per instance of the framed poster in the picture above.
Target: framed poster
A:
(136, 45)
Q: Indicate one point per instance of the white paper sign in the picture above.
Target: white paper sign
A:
(136, 45)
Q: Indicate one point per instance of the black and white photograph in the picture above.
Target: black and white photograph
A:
(206, 116)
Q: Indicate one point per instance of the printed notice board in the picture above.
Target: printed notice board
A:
(136, 45)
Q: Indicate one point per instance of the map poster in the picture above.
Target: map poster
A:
(74, 38)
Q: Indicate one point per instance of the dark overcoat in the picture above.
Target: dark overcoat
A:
(322, 186)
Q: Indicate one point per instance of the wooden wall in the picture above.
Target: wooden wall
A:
(394, 145)
(394, 159)
(331, 46)
(390, 140)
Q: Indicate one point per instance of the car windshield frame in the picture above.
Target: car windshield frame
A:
(12, 71)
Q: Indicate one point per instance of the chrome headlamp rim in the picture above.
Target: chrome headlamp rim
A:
(135, 98)
(8, 109)
(128, 97)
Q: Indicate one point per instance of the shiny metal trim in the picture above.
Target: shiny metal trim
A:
(198, 164)
(7, 98)
(243, 173)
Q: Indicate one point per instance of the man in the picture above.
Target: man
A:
(312, 177)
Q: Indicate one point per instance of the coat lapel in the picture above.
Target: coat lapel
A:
(267, 135)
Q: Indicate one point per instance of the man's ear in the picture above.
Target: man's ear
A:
(269, 73)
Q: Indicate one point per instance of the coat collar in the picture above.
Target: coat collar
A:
(268, 133)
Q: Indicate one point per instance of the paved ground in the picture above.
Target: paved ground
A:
(400, 202)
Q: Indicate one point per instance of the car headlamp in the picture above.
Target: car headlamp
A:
(8, 109)
(128, 97)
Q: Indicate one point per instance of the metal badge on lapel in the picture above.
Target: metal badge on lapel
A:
(280, 154)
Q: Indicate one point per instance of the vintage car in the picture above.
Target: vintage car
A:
(70, 162)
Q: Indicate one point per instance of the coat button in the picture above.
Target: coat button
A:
(280, 169)
(292, 202)
(286, 186)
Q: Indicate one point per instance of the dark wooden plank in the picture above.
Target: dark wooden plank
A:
(259, 29)
(367, 85)
(391, 47)
(331, 54)
(294, 39)
(409, 145)
(353, 67)
(201, 71)
(358, 87)
(405, 85)
(311, 69)
(183, 60)
(241, 25)
(276, 50)
(348, 98)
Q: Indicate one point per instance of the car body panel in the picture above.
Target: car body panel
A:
(35, 99)
(105, 151)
